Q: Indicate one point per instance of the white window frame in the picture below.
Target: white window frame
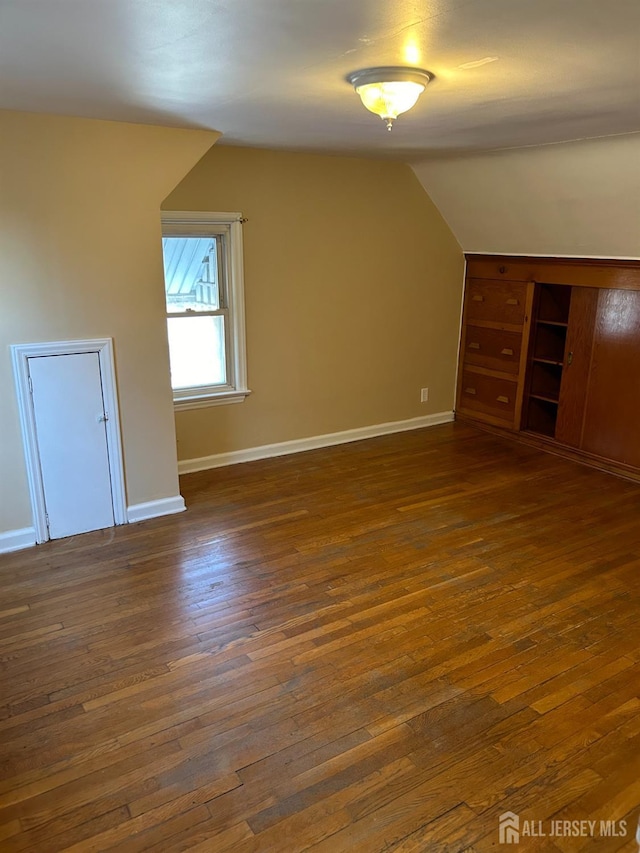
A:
(229, 225)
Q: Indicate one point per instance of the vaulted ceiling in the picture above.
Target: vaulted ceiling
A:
(270, 73)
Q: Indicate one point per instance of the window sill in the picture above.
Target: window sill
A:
(203, 402)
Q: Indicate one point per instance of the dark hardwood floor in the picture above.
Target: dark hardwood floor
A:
(381, 646)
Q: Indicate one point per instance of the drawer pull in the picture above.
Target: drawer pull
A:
(478, 297)
(513, 301)
(469, 390)
(502, 399)
(474, 346)
(506, 351)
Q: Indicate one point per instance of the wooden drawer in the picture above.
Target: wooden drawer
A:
(505, 269)
(495, 301)
(571, 271)
(488, 395)
(492, 348)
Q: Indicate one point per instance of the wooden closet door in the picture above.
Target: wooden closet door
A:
(576, 366)
(612, 412)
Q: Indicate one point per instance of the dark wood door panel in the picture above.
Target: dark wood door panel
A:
(612, 414)
(576, 365)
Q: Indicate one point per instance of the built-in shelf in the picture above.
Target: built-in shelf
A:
(548, 361)
(545, 398)
(546, 357)
(553, 304)
(549, 343)
(542, 416)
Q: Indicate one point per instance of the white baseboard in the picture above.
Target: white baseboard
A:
(153, 509)
(16, 540)
(265, 451)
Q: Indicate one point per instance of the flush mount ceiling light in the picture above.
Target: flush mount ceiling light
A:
(389, 90)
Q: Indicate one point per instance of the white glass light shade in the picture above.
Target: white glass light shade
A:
(388, 100)
(389, 91)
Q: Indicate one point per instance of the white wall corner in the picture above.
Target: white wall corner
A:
(283, 448)
(154, 509)
(16, 540)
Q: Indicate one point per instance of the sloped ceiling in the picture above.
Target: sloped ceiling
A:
(509, 74)
(577, 198)
(271, 73)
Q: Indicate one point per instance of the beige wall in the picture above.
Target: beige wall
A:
(576, 198)
(80, 257)
(353, 285)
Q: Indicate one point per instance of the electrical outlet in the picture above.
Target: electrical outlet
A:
(424, 395)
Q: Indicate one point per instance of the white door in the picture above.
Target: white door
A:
(70, 422)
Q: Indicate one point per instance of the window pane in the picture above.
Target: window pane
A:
(191, 277)
(197, 351)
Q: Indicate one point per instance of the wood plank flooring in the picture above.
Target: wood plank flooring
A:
(381, 646)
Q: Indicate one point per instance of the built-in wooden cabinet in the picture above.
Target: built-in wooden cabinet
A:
(550, 353)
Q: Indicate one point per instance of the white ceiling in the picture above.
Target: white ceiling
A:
(271, 72)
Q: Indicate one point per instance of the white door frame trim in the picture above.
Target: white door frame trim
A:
(20, 354)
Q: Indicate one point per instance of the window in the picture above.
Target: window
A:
(205, 307)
